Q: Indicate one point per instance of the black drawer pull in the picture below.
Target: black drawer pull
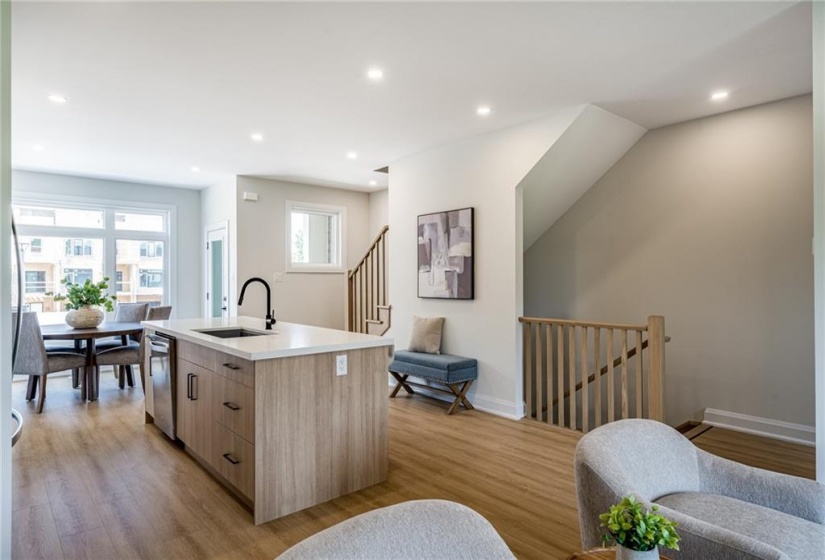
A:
(231, 406)
(229, 458)
(231, 366)
(189, 377)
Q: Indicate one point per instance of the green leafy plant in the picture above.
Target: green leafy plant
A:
(633, 527)
(87, 293)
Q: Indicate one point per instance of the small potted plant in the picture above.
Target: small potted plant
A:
(84, 302)
(638, 532)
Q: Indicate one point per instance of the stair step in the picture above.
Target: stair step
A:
(384, 306)
(373, 321)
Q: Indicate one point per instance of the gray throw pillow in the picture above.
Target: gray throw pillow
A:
(426, 335)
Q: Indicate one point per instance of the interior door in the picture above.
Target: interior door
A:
(217, 273)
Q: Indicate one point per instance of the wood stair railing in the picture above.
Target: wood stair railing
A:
(367, 307)
(557, 389)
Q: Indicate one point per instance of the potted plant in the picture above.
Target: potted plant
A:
(638, 532)
(84, 301)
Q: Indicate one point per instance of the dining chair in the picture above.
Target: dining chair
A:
(124, 356)
(34, 361)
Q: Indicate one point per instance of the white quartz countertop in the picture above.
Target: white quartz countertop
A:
(284, 340)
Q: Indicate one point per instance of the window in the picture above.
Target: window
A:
(81, 240)
(35, 281)
(315, 237)
(77, 275)
(151, 278)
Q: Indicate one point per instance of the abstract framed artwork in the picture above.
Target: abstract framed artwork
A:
(445, 255)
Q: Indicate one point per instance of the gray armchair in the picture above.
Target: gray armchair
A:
(419, 529)
(725, 510)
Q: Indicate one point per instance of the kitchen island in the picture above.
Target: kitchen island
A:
(285, 419)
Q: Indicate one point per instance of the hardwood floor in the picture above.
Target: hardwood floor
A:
(92, 481)
(764, 453)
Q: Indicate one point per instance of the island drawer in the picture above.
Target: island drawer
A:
(234, 406)
(234, 459)
(237, 369)
(198, 355)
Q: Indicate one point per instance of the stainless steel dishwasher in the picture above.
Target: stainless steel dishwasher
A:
(162, 372)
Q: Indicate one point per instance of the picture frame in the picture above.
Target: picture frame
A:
(446, 245)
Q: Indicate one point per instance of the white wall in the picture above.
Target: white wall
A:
(482, 172)
(708, 223)
(218, 205)
(5, 279)
(819, 225)
(186, 252)
(379, 211)
(310, 298)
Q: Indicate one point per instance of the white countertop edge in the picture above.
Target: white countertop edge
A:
(188, 335)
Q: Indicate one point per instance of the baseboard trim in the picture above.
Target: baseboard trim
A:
(490, 405)
(766, 427)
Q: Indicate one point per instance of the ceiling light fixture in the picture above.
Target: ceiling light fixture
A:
(257, 137)
(59, 99)
(352, 155)
(484, 110)
(196, 169)
(719, 95)
(38, 147)
(373, 183)
(375, 74)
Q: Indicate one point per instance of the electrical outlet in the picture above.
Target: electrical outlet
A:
(341, 364)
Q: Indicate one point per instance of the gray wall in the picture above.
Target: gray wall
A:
(311, 298)
(186, 252)
(708, 223)
(379, 211)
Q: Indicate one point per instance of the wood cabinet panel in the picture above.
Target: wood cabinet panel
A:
(233, 405)
(237, 369)
(194, 414)
(234, 458)
(198, 355)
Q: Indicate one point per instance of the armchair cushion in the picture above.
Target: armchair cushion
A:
(779, 530)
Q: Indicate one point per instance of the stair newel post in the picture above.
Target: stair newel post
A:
(350, 318)
(656, 371)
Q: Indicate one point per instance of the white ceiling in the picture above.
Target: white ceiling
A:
(156, 88)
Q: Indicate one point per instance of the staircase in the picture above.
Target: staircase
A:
(567, 385)
(367, 308)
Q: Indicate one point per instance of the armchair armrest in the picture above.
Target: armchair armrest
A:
(701, 539)
(795, 496)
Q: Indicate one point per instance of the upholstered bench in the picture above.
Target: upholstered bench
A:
(455, 372)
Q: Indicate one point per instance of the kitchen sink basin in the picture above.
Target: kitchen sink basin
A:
(233, 332)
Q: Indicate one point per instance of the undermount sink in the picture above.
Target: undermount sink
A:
(233, 332)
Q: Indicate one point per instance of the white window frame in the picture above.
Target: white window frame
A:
(108, 233)
(331, 268)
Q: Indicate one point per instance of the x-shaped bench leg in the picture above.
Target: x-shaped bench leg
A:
(460, 396)
(402, 382)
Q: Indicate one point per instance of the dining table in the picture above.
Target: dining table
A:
(89, 389)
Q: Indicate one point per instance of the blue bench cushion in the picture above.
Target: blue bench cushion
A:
(436, 367)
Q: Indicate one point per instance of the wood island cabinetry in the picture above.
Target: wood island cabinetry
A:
(284, 433)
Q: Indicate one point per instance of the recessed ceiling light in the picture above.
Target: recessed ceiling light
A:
(719, 95)
(196, 169)
(352, 155)
(257, 137)
(59, 99)
(38, 147)
(373, 183)
(484, 110)
(375, 74)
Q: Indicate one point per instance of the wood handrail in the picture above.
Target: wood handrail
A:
(570, 323)
(370, 250)
(592, 377)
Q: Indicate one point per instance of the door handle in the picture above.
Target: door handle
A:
(229, 458)
(231, 406)
(231, 366)
(223, 308)
(189, 377)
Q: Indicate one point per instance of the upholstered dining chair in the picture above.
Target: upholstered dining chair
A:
(123, 356)
(34, 361)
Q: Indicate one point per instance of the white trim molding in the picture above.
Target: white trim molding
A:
(766, 427)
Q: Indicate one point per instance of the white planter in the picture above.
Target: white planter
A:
(87, 317)
(623, 553)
